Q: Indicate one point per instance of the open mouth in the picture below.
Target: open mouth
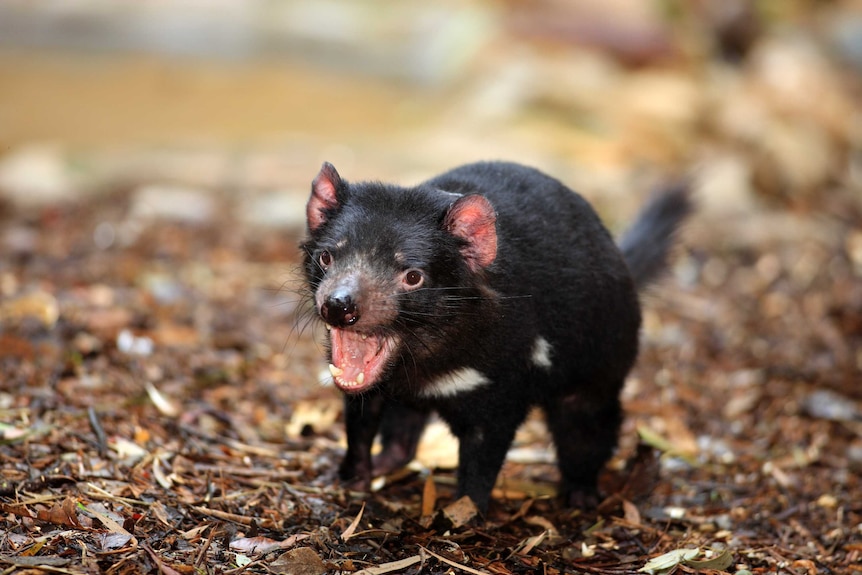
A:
(358, 359)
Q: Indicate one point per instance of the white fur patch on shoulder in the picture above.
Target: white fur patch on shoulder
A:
(542, 353)
(455, 382)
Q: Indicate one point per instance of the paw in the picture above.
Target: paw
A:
(355, 477)
(391, 460)
(582, 498)
(357, 484)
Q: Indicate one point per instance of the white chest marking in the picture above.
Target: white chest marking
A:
(455, 382)
(542, 353)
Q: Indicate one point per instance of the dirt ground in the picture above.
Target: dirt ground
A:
(160, 404)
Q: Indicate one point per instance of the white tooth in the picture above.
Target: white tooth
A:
(360, 379)
(335, 371)
(364, 337)
(328, 327)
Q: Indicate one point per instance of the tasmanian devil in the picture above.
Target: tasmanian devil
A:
(479, 294)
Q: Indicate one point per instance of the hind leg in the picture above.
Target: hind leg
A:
(400, 432)
(585, 432)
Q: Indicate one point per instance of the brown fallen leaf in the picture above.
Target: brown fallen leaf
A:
(456, 514)
(62, 514)
(251, 545)
(429, 497)
(18, 509)
(299, 561)
(724, 560)
(261, 545)
(160, 512)
(631, 513)
(351, 529)
(111, 541)
(530, 543)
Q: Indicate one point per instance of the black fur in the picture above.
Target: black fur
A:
(555, 275)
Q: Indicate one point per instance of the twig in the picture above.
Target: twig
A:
(389, 567)
(453, 563)
(272, 474)
(206, 546)
(97, 492)
(232, 517)
(101, 438)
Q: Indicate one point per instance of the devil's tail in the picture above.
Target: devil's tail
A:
(648, 242)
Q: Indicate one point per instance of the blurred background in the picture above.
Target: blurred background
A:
(759, 98)
(187, 132)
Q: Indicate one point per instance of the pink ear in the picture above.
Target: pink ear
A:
(323, 196)
(472, 218)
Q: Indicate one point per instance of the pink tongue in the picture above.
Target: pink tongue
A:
(351, 353)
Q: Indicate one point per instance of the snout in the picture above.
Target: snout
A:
(338, 300)
(339, 308)
(357, 300)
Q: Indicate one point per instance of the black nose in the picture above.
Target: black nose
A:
(339, 309)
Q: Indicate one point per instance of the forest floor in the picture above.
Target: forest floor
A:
(160, 404)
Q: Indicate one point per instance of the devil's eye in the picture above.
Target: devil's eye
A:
(413, 278)
(325, 259)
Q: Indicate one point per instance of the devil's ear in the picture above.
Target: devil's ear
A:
(473, 219)
(324, 196)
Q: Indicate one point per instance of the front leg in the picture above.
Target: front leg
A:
(400, 431)
(485, 430)
(362, 415)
